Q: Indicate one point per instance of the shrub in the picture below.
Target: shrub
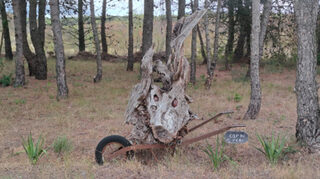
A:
(62, 145)
(237, 97)
(5, 80)
(217, 156)
(272, 149)
(34, 151)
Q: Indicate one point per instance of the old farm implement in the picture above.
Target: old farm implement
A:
(159, 112)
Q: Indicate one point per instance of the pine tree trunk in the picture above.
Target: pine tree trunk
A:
(255, 98)
(19, 66)
(215, 47)
(38, 36)
(6, 32)
(103, 27)
(169, 29)
(30, 57)
(194, 48)
(203, 51)
(59, 50)
(181, 8)
(98, 77)
(130, 46)
(147, 26)
(264, 24)
(82, 45)
(208, 46)
(308, 122)
(231, 24)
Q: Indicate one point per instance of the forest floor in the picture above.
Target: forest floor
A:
(94, 111)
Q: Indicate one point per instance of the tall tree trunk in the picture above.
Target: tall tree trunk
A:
(215, 47)
(82, 45)
(130, 46)
(20, 77)
(30, 57)
(203, 51)
(255, 98)
(169, 29)
(37, 31)
(264, 24)
(6, 32)
(103, 27)
(147, 26)
(308, 122)
(208, 46)
(59, 50)
(231, 24)
(194, 47)
(181, 8)
(98, 77)
(238, 52)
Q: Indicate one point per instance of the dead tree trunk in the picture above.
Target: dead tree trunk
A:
(169, 29)
(130, 46)
(181, 8)
(98, 77)
(30, 57)
(194, 47)
(59, 50)
(255, 98)
(231, 24)
(203, 51)
(6, 33)
(215, 48)
(161, 114)
(38, 36)
(103, 27)
(20, 77)
(308, 122)
(82, 45)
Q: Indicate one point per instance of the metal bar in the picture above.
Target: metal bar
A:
(196, 139)
(205, 122)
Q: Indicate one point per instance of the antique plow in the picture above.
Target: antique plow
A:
(114, 146)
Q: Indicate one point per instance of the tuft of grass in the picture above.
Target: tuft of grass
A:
(237, 97)
(5, 80)
(272, 149)
(62, 145)
(33, 150)
(217, 156)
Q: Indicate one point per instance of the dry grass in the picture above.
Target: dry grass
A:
(94, 111)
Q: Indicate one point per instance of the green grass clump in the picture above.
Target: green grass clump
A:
(33, 150)
(5, 80)
(217, 156)
(272, 149)
(62, 145)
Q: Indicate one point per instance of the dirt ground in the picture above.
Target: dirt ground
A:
(94, 111)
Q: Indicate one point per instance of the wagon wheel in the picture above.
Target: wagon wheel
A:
(110, 145)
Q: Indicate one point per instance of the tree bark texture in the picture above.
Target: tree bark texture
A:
(98, 77)
(208, 45)
(215, 48)
(59, 50)
(181, 8)
(6, 32)
(37, 31)
(231, 24)
(255, 97)
(169, 29)
(19, 66)
(82, 45)
(103, 27)
(264, 24)
(130, 46)
(308, 122)
(28, 54)
(194, 47)
(147, 25)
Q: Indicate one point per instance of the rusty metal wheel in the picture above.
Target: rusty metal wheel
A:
(109, 145)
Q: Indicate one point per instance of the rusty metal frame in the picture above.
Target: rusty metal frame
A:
(178, 142)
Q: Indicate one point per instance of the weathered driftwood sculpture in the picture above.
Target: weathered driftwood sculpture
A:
(160, 114)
